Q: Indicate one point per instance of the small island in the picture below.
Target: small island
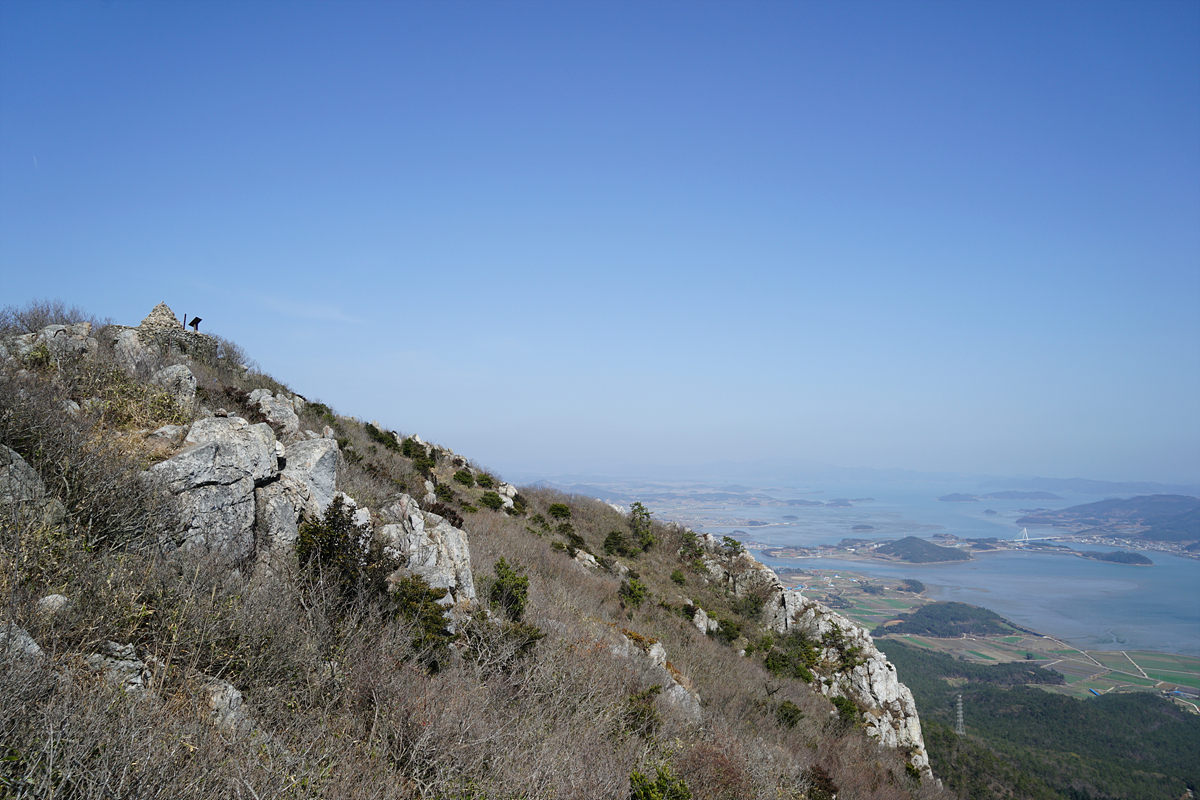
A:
(919, 551)
(1118, 557)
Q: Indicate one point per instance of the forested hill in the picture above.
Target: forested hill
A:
(1027, 742)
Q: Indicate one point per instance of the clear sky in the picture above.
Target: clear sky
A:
(574, 236)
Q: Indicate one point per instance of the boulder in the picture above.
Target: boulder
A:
(167, 435)
(430, 547)
(225, 704)
(17, 645)
(130, 352)
(120, 665)
(313, 463)
(180, 382)
(214, 482)
(19, 483)
(279, 411)
(52, 604)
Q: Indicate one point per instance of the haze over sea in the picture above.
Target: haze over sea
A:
(1089, 604)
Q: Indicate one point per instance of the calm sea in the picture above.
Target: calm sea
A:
(1090, 604)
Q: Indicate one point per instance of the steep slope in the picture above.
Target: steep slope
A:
(215, 587)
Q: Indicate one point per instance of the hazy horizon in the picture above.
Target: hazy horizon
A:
(592, 237)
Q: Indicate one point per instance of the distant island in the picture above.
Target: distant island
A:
(1118, 557)
(958, 497)
(919, 551)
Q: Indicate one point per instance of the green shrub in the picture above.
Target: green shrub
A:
(641, 716)
(820, 785)
(615, 544)
(443, 493)
(847, 711)
(491, 500)
(665, 786)
(732, 545)
(339, 552)
(691, 551)
(336, 551)
(510, 589)
(640, 525)
(794, 656)
(486, 481)
(632, 592)
(727, 630)
(679, 577)
(465, 478)
(788, 714)
(559, 511)
(385, 438)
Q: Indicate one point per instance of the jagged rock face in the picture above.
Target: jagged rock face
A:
(180, 382)
(234, 499)
(431, 548)
(890, 714)
(214, 483)
(62, 341)
(280, 411)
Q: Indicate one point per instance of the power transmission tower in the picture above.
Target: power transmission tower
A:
(958, 726)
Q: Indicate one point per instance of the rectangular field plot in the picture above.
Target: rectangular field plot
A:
(1180, 678)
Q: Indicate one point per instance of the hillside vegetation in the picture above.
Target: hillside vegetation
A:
(947, 619)
(1025, 742)
(590, 652)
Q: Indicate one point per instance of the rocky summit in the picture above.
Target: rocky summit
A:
(215, 586)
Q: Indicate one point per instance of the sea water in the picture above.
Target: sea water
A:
(1089, 604)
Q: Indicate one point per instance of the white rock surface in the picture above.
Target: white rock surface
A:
(19, 482)
(280, 410)
(16, 644)
(180, 382)
(431, 548)
(214, 482)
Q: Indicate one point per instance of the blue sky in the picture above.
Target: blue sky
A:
(572, 237)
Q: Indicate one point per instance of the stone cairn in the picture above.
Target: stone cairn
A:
(162, 329)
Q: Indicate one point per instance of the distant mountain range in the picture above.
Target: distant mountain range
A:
(1087, 486)
(975, 498)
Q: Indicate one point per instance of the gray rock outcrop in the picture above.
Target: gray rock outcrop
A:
(430, 547)
(280, 411)
(16, 645)
(213, 482)
(19, 482)
(180, 382)
(234, 498)
(120, 664)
